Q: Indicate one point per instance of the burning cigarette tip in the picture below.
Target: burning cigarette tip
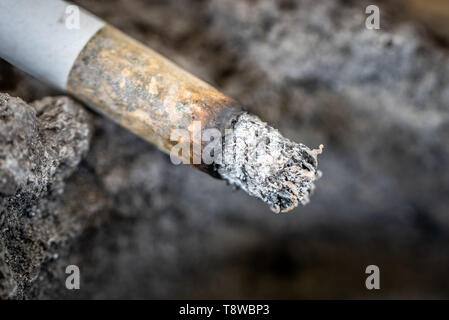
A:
(269, 166)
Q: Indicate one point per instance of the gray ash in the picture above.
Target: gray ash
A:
(268, 166)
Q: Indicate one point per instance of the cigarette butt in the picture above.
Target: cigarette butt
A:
(146, 93)
(153, 97)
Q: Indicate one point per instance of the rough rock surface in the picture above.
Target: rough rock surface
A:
(377, 100)
(40, 146)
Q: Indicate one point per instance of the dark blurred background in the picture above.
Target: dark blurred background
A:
(377, 99)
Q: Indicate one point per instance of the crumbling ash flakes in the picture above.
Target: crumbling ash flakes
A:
(268, 166)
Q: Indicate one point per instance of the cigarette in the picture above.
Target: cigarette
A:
(153, 97)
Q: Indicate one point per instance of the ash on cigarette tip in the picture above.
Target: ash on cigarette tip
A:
(268, 166)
